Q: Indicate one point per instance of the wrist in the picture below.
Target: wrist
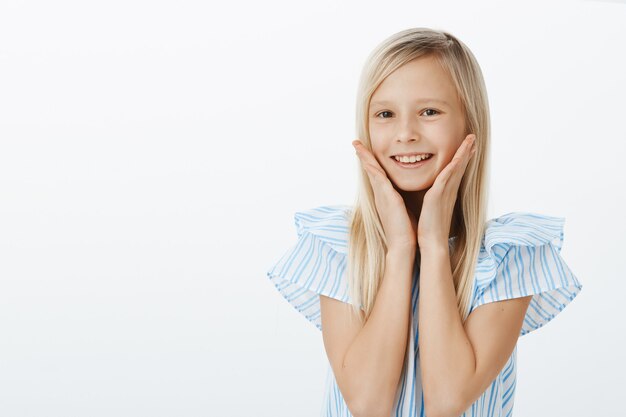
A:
(404, 251)
(435, 249)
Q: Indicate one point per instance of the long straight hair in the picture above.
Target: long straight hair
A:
(367, 244)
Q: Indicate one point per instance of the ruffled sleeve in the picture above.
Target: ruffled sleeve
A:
(520, 256)
(317, 263)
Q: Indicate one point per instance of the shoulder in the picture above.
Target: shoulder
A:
(316, 263)
(522, 228)
(520, 255)
(328, 223)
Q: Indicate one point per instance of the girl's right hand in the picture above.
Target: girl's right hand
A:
(398, 222)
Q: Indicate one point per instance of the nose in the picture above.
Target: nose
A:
(407, 130)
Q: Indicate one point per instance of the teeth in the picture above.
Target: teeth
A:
(412, 158)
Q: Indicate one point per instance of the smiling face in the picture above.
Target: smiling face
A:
(416, 110)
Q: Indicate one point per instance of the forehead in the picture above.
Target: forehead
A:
(423, 100)
(422, 80)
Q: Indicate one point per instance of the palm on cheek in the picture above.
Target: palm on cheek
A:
(399, 224)
(438, 204)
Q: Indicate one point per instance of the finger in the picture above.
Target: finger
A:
(468, 151)
(374, 171)
(456, 168)
(472, 147)
(370, 169)
(460, 166)
(466, 147)
(365, 154)
(463, 154)
(445, 175)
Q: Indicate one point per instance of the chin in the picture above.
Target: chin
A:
(411, 186)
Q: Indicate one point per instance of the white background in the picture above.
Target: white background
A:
(152, 155)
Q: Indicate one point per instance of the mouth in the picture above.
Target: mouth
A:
(415, 164)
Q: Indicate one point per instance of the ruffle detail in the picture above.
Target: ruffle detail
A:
(327, 223)
(317, 264)
(520, 256)
(523, 229)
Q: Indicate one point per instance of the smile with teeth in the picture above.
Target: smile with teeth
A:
(412, 158)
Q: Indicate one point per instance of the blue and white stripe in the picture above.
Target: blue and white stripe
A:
(519, 256)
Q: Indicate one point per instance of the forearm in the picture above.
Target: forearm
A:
(376, 356)
(446, 355)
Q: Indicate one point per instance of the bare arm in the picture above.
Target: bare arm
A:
(458, 360)
(368, 373)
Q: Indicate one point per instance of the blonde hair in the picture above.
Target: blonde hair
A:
(367, 247)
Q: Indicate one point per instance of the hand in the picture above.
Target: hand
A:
(399, 223)
(433, 229)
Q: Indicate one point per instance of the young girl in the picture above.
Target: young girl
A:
(420, 300)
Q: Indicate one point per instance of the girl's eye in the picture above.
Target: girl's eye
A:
(431, 110)
(431, 114)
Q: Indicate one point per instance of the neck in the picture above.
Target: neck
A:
(413, 201)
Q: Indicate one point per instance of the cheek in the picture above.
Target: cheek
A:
(450, 149)
(385, 163)
(444, 157)
(381, 160)
(448, 155)
(379, 149)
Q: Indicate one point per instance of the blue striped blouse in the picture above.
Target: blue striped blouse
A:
(519, 256)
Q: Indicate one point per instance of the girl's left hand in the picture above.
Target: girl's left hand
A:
(435, 218)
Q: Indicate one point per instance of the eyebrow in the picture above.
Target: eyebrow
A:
(423, 100)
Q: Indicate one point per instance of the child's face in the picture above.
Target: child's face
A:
(407, 123)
